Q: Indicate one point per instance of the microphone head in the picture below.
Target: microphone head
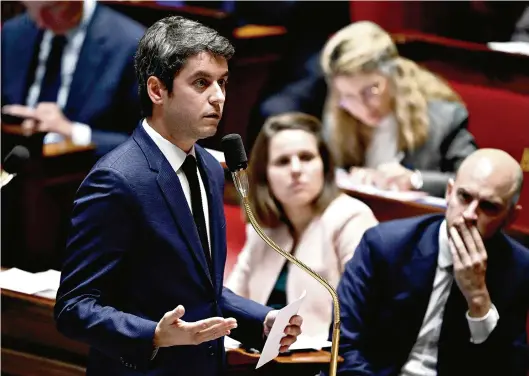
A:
(234, 152)
(15, 161)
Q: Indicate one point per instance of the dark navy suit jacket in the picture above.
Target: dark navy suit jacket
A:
(134, 254)
(385, 291)
(104, 90)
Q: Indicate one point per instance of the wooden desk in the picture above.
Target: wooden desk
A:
(37, 203)
(31, 345)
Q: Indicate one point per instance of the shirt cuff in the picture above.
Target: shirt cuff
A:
(154, 353)
(53, 138)
(81, 134)
(481, 327)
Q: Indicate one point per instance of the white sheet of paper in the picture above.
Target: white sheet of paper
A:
(272, 344)
(230, 343)
(514, 47)
(304, 342)
(29, 283)
(19, 280)
(50, 279)
(344, 181)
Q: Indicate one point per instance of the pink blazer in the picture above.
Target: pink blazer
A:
(326, 245)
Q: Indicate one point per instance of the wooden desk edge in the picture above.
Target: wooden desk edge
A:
(50, 150)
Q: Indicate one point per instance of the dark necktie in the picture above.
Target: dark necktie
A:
(190, 170)
(51, 82)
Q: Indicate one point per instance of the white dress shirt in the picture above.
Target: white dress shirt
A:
(176, 157)
(383, 147)
(422, 360)
(81, 133)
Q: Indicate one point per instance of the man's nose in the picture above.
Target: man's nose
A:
(218, 96)
(470, 213)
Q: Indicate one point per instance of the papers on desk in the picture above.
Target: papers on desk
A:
(304, 342)
(272, 345)
(514, 47)
(308, 343)
(344, 181)
(43, 284)
(230, 343)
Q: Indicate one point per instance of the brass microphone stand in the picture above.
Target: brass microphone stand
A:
(241, 184)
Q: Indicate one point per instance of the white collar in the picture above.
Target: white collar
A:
(174, 155)
(444, 259)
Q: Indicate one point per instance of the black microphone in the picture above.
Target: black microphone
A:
(236, 160)
(234, 152)
(13, 163)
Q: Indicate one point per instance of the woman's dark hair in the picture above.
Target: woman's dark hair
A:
(267, 209)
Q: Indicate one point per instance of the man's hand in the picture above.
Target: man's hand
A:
(367, 176)
(46, 117)
(396, 176)
(292, 331)
(470, 266)
(173, 331)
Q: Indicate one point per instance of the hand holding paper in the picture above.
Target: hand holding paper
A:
(282, 327)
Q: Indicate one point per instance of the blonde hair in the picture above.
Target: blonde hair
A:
(364, 47)
(268, 211)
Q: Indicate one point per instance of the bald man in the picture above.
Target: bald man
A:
(442, 294)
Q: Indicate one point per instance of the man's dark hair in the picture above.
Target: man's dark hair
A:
(165, 48)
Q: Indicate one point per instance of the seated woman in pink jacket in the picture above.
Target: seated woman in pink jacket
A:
(295, 199)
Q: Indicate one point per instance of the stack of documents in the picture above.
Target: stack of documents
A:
(43, 284)
(514, 47)
(345, 182)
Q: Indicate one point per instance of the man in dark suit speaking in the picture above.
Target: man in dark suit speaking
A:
(442, 294)
(68, 69)
(142, 280)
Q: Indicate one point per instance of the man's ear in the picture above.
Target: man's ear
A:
(155, 90)
(449, 189)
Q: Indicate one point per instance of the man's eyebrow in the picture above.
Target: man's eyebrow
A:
(207, 75)
(486, 199)
(492, 200)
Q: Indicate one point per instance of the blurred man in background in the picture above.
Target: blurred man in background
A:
(67, 69)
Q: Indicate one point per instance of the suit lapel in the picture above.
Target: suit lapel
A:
(90, 63)
(419, 275)
(24, 52)
(174, 196)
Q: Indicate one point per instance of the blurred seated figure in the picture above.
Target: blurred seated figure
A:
(67, 69)
(444, 294)
(521, 32)
(392, 123)
(295, 199)
(295, 83)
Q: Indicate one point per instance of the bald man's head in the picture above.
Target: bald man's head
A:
(485, 191)
(495, 165)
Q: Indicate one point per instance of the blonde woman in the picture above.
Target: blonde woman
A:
(391, 122)
(295, 199)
